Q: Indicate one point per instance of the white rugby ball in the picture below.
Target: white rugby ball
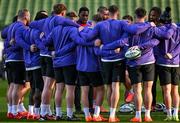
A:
(126, 108)
(133, 54)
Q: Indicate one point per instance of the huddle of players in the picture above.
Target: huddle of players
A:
(56, 49)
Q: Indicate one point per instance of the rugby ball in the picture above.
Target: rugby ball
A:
(143, 109)
(133, 53)
(159, 107)
(126, 108)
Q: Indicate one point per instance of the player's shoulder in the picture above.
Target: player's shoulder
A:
(5, 29)
(120, 21)
(102, 23)
(58, 18)
(65, 28)
(35, 31)
(20, 28)
(72, 28)
(117, 22)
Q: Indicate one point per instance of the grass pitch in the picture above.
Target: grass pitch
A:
(157, 116)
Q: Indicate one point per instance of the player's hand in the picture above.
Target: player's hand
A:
(174, 24)
(168, 56)
(152, 24)
(101, 46)
(117, 50)
(12, 42)
(4, 56)
(97, 42)
(133, 47)
(41, 35)
(80, 28)
(53, 54)
(33, 48)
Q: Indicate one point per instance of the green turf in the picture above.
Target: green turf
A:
(157, 116)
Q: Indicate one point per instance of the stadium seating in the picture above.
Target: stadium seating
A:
(9, 8)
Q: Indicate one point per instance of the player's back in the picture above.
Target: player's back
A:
(110, 30)
(61, 37)
(168, 46)
(16, 54)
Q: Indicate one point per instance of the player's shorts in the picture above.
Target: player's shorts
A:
(35, 79)
(47, 66)
(15, 72)
(113, 71)
(141, 73)
(9, 73)
(169, 75)
(90, 78)
(66, 74)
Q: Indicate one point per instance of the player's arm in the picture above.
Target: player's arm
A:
(176, 50)
(9, 48)
(19, 38)
(38, 24)
(103, 53)
(75, 36)
(4, 36)
(5, 44)
(149, 44)
(66, 49)
(38, 40)
(65, 22)
(13, 48)
(49, 40)
(165, 33)
(136, 28)
(4, 33)
(91, 35)
(123, 41)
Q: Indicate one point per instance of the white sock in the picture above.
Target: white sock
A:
(175, 112)
(70, 112)
(86, 111)
(31, 109)
(21, 108)
(58, 111)
(44, 110)
(14, 109)
(147, 113)
(138, 114)
(169, 112)
(112, 112)
(49, 110)
(36, 111)
(97, 111)
(9, 108)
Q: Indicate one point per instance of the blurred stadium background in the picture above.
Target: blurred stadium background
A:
(9, 8)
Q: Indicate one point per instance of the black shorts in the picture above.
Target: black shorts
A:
(9, 73)
(47, 66)
(141, 73)
(67, 74)
(15, 72)
(90, 78)
(179, 74)
(113, 71)
(169, 75)
(35, 79)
